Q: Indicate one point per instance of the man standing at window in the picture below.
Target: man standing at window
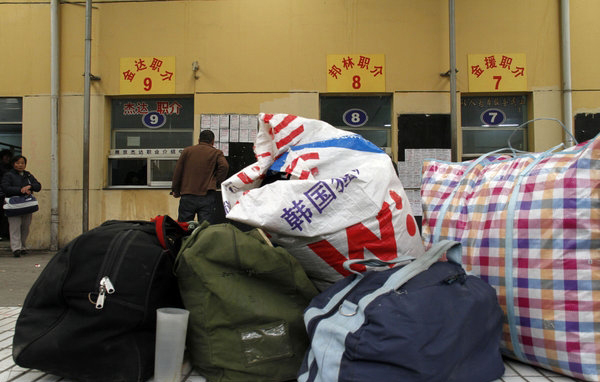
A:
(199, 170)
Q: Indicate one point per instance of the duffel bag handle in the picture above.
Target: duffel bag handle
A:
(453, 251)
(377, 263)
(169, 232)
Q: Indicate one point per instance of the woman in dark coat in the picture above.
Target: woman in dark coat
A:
(18, 182)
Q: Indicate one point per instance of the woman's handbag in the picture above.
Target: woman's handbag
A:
(20, 205)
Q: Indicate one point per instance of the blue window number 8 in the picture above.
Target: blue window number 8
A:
(355, 117)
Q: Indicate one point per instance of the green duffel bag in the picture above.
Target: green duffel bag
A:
(246, 300)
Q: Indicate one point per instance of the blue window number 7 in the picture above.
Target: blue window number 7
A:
(493, 117)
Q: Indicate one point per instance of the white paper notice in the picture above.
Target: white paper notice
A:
(234, 121)
(414, 198)
(234, 135)
(205, 122)
(253, 122)
(244, 121)
(252, 135)
(223, 121)
(409, 171)
(244, 135)
(225, 148)
(214, 121)
(133, 141)
(216, 133)
(224, 135)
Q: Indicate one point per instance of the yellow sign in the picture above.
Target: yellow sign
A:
(500, 72)
(348, 73)
(147, 75)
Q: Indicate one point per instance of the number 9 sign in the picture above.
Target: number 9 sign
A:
(154, 120)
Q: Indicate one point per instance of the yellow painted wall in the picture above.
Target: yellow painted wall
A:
(267, 56)
(585, 36)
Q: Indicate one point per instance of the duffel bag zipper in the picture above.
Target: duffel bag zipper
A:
(111, 264)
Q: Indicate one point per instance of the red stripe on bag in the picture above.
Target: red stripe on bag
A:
(159, 222)
(305, 174)
(305, 157)
(244, 178)
(284, 123)
(397, 199)
(333, 257)
(287, 139)
(360, 238)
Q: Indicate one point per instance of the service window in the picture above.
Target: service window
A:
(489, 121)
(148, 135)
(369, 116)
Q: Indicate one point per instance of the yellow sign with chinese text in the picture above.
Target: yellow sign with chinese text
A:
(500, 72)
(348, 73)
(147, 75)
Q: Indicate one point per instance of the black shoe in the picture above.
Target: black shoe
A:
(24, 252)
(17, 253)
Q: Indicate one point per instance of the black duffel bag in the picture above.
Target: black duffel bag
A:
(91, 314)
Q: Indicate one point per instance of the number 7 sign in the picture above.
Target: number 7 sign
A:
(497, 72)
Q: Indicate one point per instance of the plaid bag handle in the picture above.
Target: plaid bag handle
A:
(539, 119)
(438, 225)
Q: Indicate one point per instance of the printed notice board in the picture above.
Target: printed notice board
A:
(349, 73)
(499, 72)
(147, 75)
(234, 135)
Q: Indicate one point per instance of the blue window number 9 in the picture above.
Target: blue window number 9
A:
(154, 120)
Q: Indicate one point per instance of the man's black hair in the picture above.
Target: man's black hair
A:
(206, 136)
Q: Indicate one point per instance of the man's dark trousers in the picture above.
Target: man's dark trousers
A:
(204, 206)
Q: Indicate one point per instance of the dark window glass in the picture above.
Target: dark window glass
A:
(378, 109)
(152, 139)
(484, 141)
(587, 126)
(162, 170)
(11, 117)
(423, 131)
(11, 109)
(128, 172)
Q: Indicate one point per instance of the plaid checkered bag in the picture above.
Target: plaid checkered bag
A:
(530, 227)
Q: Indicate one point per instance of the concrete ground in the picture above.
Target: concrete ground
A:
(17, 275)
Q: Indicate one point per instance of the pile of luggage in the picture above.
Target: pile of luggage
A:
(334, 283)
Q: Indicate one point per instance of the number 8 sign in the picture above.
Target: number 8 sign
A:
(355, 117)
